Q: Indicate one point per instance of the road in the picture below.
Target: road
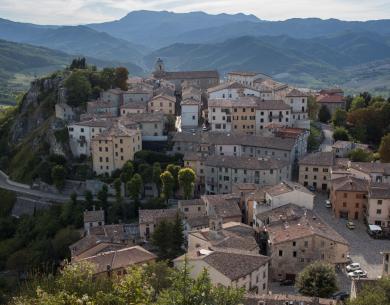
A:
(29, 192)
(326, 144)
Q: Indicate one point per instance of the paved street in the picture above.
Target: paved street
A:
(363, 249)
(328, 137)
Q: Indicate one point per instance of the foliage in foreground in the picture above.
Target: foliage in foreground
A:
(378, 294)
(153, 284)
(317, 280)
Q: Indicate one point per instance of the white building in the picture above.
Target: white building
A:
(283, 194)
(81, 134)
(247, 78)
(235, 90)
(190, 109)
(297, 100)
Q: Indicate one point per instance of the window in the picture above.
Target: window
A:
(378, 211)
(345, 195)
(306, 243)
(315, 169)
(295, 254)
(379, 202)
(357, 205)
(344, 204)
(280, 252)
(294, 243)
(325, 170)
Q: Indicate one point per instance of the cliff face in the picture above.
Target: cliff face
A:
(32, 135)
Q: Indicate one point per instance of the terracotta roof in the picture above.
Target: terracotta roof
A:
(371, 167)
(318, 159)
(94, 216)
(122, 258)
(227, 85)
(150, 216)
(350, 184)
(234, 265)
(223, 138)
(99, 247)
(245, 163)
(103, 122)
(188, 75)
(287, 187)
(380, 192)
(296, 93)
(331, 91)
(193, 156)
(164, 96)
(224, 206)
(292, 225)
(330, 99)
(200, 221)
(243, 73)
(117, 130)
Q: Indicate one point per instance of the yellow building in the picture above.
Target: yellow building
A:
(111, 149)
(162, 103)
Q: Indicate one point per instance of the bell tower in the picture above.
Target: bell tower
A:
(159, 66)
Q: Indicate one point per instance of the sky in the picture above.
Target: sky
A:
(71, 12)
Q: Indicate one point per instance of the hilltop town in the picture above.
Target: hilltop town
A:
(252, 179)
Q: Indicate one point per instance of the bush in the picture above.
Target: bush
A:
(340, 134)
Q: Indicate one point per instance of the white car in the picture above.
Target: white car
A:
(328, 204)
(357, 274)
(353, 267)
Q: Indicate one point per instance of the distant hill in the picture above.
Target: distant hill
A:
(75, 40)
(20, 63)
(317, 62)
(159, 29)
(156, 29)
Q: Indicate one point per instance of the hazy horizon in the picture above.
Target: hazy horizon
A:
(78, 12)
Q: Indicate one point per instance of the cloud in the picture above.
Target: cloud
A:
(86, 11)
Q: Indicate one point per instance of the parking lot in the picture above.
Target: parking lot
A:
(363, 249)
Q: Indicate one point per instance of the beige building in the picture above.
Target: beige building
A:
(377, 172)
(135, 107)
(151, 124)
(348, 196)
(297, 238)
(162, 103)
(192, 208)
(238, 270)
(378, 209)
(112, 148)
(149, 219)
(315, 170)
(224, 207)
(224, 171)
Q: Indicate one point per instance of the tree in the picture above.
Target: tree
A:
(118, 190)
(187, 181)
(88, 198)
(62, 240)
(58, 175)
(360, 155)
(340, 134)
(377, 294)
(317, 280)
(78, 89)
(161, 239)
(168, 183)
(156, 175)
(324, 114)
(121, 76)
(358, 103)
(134, 187)
(384, 148)
(174, 170)
(78, 63)
(339, 118)
(312, 107)
(102, 196)
(177, 237)
(127, 171)
(107, 78)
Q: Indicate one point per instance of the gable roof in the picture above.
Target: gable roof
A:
(296, 93)
(147, 216)
(318, 159)
(350, 184)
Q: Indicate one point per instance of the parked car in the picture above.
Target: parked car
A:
(341, 295)
(311, 188)
(374, 231)
(357, 274)
(353, 267)
(286, 283)
(350, 225)
(328, 204)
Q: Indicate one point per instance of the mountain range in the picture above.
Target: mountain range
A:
(309, 52)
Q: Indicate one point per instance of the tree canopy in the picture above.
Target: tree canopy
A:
(384, 148)
(324, 114)
(340, 134)
(317, 280)
(187, 181)
(78, 89)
